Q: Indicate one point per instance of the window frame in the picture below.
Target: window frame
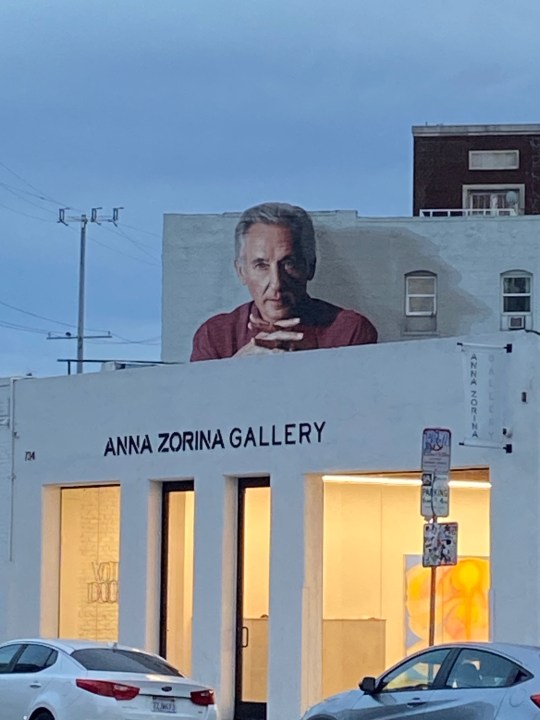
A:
(509, 274)
(19, 647)
(95, 659)
(493, 189)
(423, 275)
(471, 655)
(495, 154)
(438, 678)
(52, 652)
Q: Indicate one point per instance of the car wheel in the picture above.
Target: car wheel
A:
(42, 715)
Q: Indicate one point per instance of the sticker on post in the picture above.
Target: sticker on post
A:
(436, 445)
(440, 544)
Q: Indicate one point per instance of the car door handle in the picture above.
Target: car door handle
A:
(35, 685)
(415, 702)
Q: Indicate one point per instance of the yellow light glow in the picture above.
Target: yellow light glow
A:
(401, 481)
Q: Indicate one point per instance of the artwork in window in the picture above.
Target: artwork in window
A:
(89, 554)
(462, 604)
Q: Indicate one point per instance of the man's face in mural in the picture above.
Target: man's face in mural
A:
(273, 270)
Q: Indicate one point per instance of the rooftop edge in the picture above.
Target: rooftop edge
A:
(464, 130)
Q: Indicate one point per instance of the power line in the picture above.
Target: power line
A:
(146, 249)
(26, 200)
(123, 252)
(43, 317)
(20, 212)
(152, 342)
(32, 314)
(19, 177)
(27, 192)
(135, 342)
(22, 328)
(146, 232)
(28, 328)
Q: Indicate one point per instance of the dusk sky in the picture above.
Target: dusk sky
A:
(207, 106)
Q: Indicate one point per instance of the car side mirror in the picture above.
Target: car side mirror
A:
(368, 685)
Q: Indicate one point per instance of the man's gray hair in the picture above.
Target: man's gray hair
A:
(290, 216)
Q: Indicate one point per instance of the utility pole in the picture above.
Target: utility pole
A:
(95, 217)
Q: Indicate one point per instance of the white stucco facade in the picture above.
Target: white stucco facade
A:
(362, 409)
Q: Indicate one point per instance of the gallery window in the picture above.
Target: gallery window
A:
(375, 589)
(89, 558)
(421, 294)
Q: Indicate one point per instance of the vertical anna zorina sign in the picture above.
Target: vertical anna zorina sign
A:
(484, 379)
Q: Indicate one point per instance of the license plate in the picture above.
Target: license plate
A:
(163, 705)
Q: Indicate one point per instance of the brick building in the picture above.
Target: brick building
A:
(478, 169)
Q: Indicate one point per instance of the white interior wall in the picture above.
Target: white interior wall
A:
(368, 532)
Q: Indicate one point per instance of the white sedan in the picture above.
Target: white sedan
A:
(470, 681)
(84, 680)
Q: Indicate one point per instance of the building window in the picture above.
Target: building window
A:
(493, 159)
(89, 557)
(376, 601)
(420, 294)
(516, 293)
(494, 199)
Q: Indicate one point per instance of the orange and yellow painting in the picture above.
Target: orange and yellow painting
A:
(462, 602)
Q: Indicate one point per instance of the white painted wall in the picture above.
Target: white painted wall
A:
(375, 401)
(361, 264)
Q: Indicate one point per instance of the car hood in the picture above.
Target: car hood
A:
(333, 704)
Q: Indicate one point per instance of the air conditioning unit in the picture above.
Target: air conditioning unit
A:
(516, 322)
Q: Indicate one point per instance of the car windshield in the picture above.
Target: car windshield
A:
(118, 660)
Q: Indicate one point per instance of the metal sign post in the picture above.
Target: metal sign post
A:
(432, 605)
(440, 540)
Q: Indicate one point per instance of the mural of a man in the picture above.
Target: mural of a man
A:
(275, 259)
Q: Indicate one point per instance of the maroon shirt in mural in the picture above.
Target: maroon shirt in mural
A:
(324, 326)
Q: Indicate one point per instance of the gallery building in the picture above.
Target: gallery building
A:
(258, 520)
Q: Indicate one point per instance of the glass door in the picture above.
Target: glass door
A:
(177, 574)
(253, 589)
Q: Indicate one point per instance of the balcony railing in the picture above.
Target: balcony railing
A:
(468, 212)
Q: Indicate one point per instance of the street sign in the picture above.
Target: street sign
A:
(436, 444)
(440, 544)
(435, 495)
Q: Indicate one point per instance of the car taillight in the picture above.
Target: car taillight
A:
(536, 700)
(118, 691)
(202, 697)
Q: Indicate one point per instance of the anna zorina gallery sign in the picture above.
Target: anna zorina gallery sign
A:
(296, 433)
(485, 384)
